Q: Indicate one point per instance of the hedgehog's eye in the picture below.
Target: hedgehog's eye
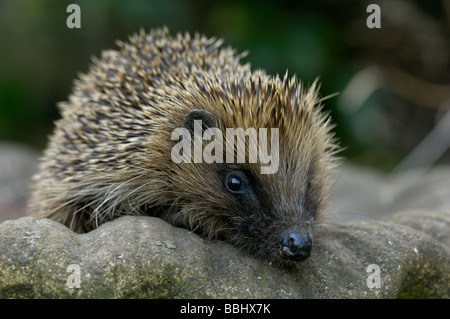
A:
(235, 184)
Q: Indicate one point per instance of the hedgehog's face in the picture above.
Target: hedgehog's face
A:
(265, 219)
(270, 215)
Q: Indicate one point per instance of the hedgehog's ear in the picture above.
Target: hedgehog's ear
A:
(207, 118)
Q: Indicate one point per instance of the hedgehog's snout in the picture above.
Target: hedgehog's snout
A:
(295, 245)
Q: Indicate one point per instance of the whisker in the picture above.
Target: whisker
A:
(370, 217)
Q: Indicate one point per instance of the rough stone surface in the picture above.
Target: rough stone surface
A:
(400, 223)
(145, 257)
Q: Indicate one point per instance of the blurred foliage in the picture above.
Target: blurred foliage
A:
(40, 57)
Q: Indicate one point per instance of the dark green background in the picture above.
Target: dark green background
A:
(40, 57)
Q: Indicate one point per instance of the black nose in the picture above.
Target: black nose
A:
(295, 246)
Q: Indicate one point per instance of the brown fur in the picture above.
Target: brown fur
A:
(110, 152)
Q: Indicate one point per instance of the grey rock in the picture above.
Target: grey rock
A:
(399, 223)
(17, 163)
(145, 257)
(362, 193)
(435, 224)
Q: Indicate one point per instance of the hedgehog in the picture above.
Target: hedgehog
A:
(110, 152)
